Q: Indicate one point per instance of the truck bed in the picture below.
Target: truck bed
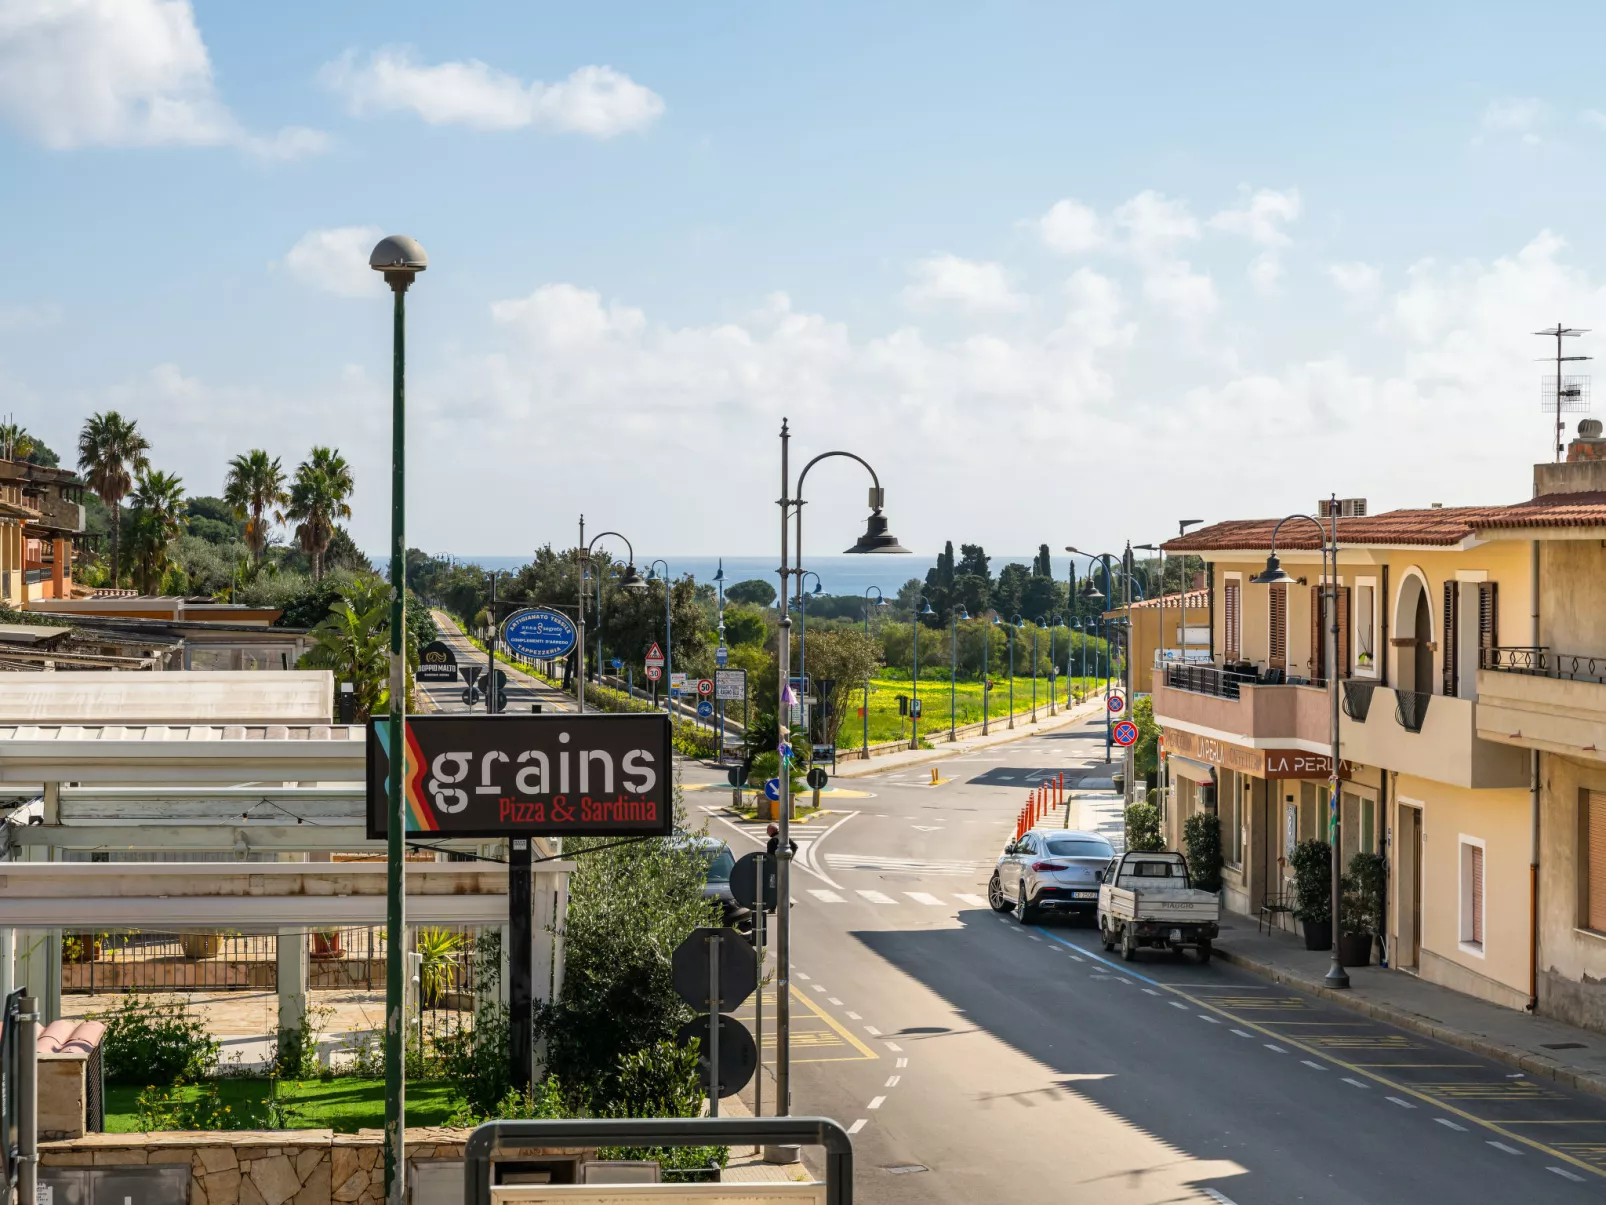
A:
(1162, 905)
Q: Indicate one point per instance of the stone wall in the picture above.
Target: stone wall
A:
(269, 1167)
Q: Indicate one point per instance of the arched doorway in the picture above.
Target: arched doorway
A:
(1413, 620)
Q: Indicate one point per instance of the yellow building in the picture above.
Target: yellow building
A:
(1446, 684)
(41, 518)
(1173, 627)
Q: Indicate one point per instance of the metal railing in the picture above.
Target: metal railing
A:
(1411, 708)
(1358, 699)
(1543, 662)
(1206, 680)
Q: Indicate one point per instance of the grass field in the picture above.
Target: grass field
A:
(887, 725)
(341, 1104)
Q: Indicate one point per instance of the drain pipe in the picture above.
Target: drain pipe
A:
(1533, 800)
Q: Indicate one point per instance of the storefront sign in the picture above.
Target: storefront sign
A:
(1261, 763)
(537, 775)
(436, 663)
(1296, 763)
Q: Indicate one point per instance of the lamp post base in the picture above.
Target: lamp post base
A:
(1337, 976)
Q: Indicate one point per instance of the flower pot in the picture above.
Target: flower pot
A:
(199, 945)
(326, 944)
(1318, 934)
(81, 947)
(1355, 949)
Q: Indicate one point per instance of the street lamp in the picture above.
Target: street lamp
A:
(953, 672)
(669, 630)
(986, 680)
(630, 580)
(1013, 624)
(876, 539)
(719, 580)
(880, 602)
(1076, 622)
(914, 707)
(1274, 575)
(1036, 624)
(1053, 622)
(803, 643)
(401, 259)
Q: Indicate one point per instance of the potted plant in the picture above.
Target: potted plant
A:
(1362, 918)
(81, 947)
(1201, 833)
(199, 945)
(1313, 892)
(326, 943)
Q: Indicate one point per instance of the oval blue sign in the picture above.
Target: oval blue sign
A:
(539, 634)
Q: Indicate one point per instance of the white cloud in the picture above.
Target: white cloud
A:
(974, 285)
(1260, 217)
(79, 73)
(598, 101)
(336, 261)
(1070, 228)
(1156, 227)
(1358, 281)
(1517, 116)
(18, 318)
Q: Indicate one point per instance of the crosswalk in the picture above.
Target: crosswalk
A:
(912, 866)
(881, 899)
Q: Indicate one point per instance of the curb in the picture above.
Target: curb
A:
(1472, 1043)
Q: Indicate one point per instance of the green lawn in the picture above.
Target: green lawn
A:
(887, 725)
(341, 1104)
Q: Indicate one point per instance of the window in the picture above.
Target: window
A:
(1078, 847)
(1232, 620)
(1472, 895)
(1231, 794)
(1278, 626)
(1365, 628)
(1594, 808)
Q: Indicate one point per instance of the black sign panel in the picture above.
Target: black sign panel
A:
(592, 775)
(436, 663)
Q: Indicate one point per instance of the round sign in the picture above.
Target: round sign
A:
(705, 686)
(705, 709)
(539, 633)
(817, 778)
(738, 1053)
(772, 789)
(1125, 733)
(654, 672)
(1116, 703)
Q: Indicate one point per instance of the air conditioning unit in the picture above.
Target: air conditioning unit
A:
(1348, 508)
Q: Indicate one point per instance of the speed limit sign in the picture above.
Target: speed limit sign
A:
(1125, 733)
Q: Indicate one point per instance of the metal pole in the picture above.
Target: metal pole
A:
(1336, 976)
(28, 1100)
(783, 850)
(1034, 675)
(521, 965)
(1011, 675)
(490, 652)
(584, 558)
(986, 682)
(914, 706)
(953, 674)
(715, 940)
(395, 844)
(758, 999)
(669, 640)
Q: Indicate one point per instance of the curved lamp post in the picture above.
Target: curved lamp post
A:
(669, 630)
(803, 642)
(401, 259)
(953, 672)
(1036, 624)
(1091, 594)
(924, 609)
(1272, 576)
(880, 602)
(876, 539)
(631, 580)
(1053, 622)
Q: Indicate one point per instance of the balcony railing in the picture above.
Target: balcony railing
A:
(1358, 699)
(1411, 708)
(1207, 680)
(1543, 662)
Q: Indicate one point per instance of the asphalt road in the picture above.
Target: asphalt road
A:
(522, 690)
(978, 1060)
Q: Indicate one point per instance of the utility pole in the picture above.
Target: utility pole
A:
(1574, 393)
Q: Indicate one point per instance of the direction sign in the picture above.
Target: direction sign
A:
(436, 663)
(738, 1054)
(730, 685)
(772, 789)
(539, 633)
(1116, 703)
(705, 709)
(654, 672)
(745, 877)
(677, 682)
(655, 656)
(722, 656)
(1124, 733)
(738, 968)
(705, 687)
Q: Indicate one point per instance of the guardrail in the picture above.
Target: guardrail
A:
(1543, 662)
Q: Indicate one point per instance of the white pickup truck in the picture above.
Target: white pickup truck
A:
(1146, 899)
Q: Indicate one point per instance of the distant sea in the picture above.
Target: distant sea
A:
(838, 574)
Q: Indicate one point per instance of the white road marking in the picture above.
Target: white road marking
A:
(1355, 1083)
(834, 1000)
(872, 1031)
(877, 897)
(1404, 1104)
(1317, 1066)
(1274, 1048)
(1034, 937)
(975, 901)
(893, 1046)
(1176, 1004)
(826, 897)
(1212, 1020)
(1148, 991)
(1562, 1171)
(877, 1102)
(1500, 1146)
(901, 1062)
(893, 864)
(892, 1081)
(924, 897)
(857, 1126)
(1243, 1033)
(1220, 1198)
(1445, 1121)
(854, 1017)
(1074, 958)
(819, 987)
(800, 975)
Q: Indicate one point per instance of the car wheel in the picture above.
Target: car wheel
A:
(995, 895)
(1203, 951)
(1104, 938)
(1129, 948)
(1024, 912)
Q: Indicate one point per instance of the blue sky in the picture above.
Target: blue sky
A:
(1062, 272)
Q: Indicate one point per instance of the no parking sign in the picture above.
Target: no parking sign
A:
(1125, 733)
(1116, 702)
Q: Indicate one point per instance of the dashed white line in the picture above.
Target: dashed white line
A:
(872, 1031)
(1395, 1100)
(1206, 1017)
(1355, 1083)
(1243, 1033)
(1074, 958)
(892, 1081)
(1147, 991)
(857, 1126)
(854, 1017)
(895, 1048)
(877, 1102)
(1177, 1004)
(900, 1062)
(1564, 1173)
(877, 897)
(1034, 937)
(800, 975)
(1445, 1121)
(1274, 1048)
(825, 896)
(1500, 1146)
(924, 897)
(1317, 1066)
(834, 1000)
(975, 901)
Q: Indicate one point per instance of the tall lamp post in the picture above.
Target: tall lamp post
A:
(876, 539)
(1036, 625)
(1274, 576)
(631, 580)
(719, 703)
(803, 643)
(953, 671)
(1076, 622)
(1013, 624)
(1091, 594)
(986, 680)
(401, 259)
(923, 609)
(879, 602)
(669, 630)
(1053, 622)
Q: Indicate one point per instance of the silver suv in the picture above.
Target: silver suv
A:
(1050, 868)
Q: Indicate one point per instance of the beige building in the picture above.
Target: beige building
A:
(41, 519)
(1173, 627)
(1468, 639)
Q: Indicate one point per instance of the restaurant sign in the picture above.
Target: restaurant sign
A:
(1260, 763)
(560, 774)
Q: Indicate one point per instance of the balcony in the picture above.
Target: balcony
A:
(1537, 698)
(1429, 736)
(1241, 708)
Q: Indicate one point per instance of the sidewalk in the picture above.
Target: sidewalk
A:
(1537, 1045)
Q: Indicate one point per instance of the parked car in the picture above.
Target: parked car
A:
(719, 860)
(1049, 869)
(1147, 899)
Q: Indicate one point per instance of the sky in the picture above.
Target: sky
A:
(1061, 273)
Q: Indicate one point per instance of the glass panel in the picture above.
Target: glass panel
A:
(1079, 847)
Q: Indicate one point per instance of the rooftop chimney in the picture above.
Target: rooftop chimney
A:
(1584, 470)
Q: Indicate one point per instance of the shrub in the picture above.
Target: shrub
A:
(1202, 837)
(148, 1042)
(1364, 885)
(1143, 828)
(1313, 881)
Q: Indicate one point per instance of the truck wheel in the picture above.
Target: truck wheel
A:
(1203, 950)
(1104, 938)
(1129, 948)
(995, 895)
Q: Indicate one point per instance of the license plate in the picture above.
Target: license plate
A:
(1084, 895)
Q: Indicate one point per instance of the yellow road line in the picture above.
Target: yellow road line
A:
(846, 1035)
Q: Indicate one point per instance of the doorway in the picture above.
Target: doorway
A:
(1408, 854)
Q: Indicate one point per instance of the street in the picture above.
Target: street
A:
(522, 689)
(975, 1059)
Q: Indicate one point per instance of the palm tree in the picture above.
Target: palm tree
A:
(317, 499)
(255, 489)
(158, 520)
(15, 442)
(354, 642)
(110, 451)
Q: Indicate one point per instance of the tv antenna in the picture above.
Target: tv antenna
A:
(1566, 394)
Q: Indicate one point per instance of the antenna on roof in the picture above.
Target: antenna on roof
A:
(1566, 394)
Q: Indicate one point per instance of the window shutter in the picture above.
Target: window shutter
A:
(1477, 894)
(1279, 627)
(1451, 617)
(1233, 618)
(1488, 619)
(1343, 632)
(1595, 803)
(1318, 637)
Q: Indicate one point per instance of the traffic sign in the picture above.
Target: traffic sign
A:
(722, 656)
(539, 633)
(730, 685)
(617, 663)
(738, 968)
(705, 709)
(655, 656)
(738, 775)
(1116, 703)
(772, 789)
(817, 778)
(745, 880)
(738, 1054)
(654, 672)
(1124, 733)
(436, 663)
(705, 687)
(677, 682)
(471, 673)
